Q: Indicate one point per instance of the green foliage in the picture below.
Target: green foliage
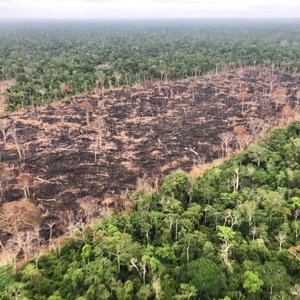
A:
(6, 277)
(145, 292)
(87, 252)
(206, 277)
(187, 291)
(252, 283)
(275, 277)
(225, 233)
(176, 185)
(55, 296)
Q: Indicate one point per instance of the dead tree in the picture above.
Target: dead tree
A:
(265, 105)
(20, 219)
(119, 204)
(61, 117)
(236, 178)
(123, 204)
(279, 95)
(108, 202)
(3, 127)
(143, 186)
(65, 89)
(280, 237)
(243, 140)
(50, 224)
(242, 63)
(297, 104)
(242, 96)
(87, 107)
(167, 75)
(25, 181)
(256, 126)
(2, 104)
(287, 111)
(227, 138)
(5, 175)
(66, 221)
(118, 77)
(242, 137)
(295, 250)
(286, 115)
(19, 215)
(141, 269)
(88, 205)
(101, 80)
(69, 222)
(27, 243)
(232, 217)
(239, 130)
(17, 142)
(98, 125)
(253, 232)
(243, 86)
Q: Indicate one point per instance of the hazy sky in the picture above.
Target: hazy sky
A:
(112, 9)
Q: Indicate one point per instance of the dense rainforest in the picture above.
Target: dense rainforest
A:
(47, 61)
(232, 233)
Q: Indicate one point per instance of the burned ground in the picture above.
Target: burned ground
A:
(133, 133)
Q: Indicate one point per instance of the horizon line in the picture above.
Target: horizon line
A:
(151, 18)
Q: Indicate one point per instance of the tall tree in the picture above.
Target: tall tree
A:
(206, 276)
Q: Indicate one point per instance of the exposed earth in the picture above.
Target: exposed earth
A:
(142, 132)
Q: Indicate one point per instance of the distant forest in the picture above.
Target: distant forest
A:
(49, 60)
